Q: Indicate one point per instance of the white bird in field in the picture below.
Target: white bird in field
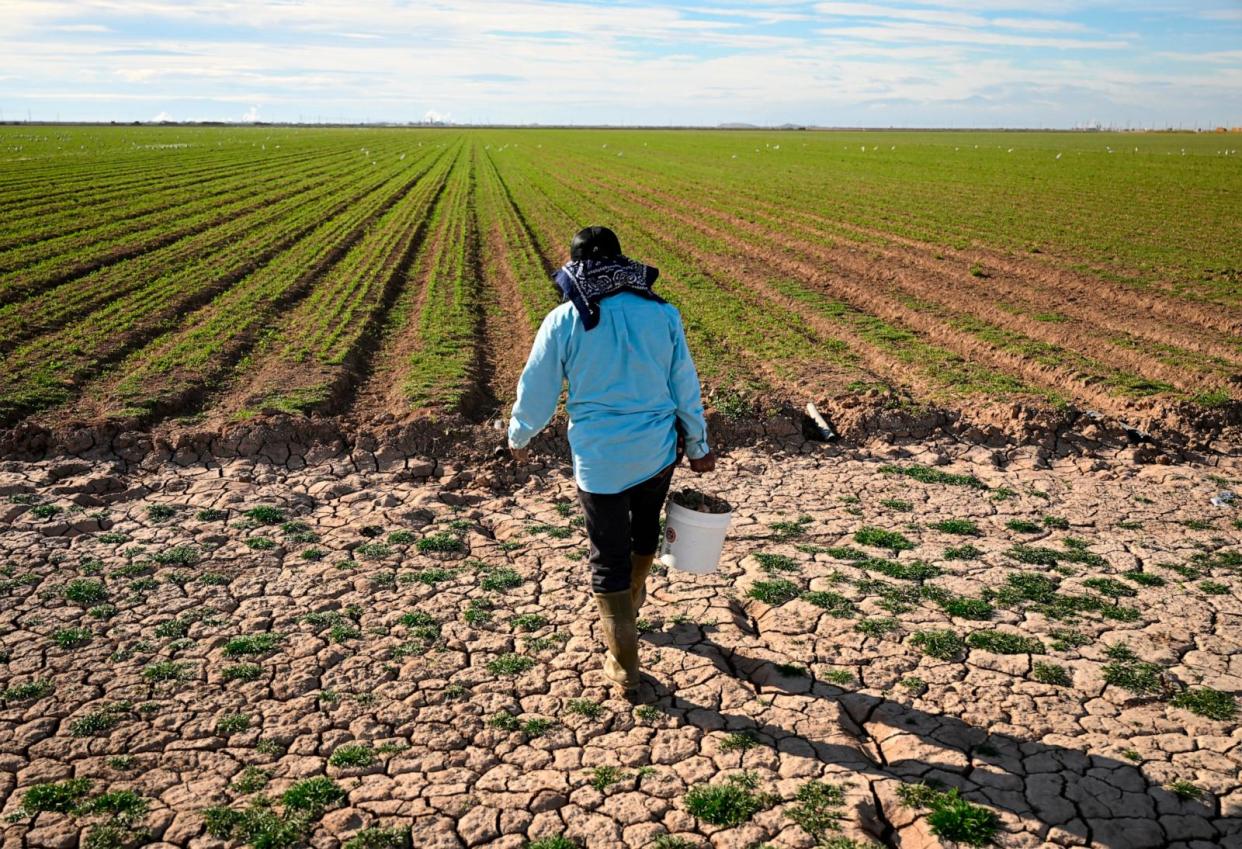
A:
(1058, 156)
(1010, 150)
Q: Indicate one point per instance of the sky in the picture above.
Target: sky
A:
(904, 63)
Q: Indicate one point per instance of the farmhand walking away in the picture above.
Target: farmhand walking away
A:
(633, 399)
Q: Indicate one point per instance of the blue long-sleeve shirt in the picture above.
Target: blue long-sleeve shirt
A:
(631, 378)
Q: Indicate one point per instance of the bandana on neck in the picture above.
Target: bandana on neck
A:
(587, 282)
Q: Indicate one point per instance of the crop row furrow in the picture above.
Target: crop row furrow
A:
(45, 311)
(322, 345)
(1162, 320)
(89, 210)
(51, 368)
(49, 263)
(734, 333)
(173, 373)
(885, 293)
(441, 366)
(1054, 368)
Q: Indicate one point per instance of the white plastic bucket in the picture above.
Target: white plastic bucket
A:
(693, 540)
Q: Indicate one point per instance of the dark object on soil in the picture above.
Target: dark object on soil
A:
(700, 502)
(816, 427)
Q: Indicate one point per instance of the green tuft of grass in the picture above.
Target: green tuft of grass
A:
(728, 803)
(554, 842)
(1207, 702)
(840, 677)
(929, 474)
(352, 755)
(1213, 588)
(1184, 790)
(36, 689)
(160, 512)
(232, 723)
(1140, 678)
(396, 837)
(897, 505)
(739, 741)
(443, 542)
(1143, 579)
(845, 552)
(603, 777)
(785, 531)
(1050, 673)
(880, 538)
(252, 779)
(265, 515)
(1110, 587)
(964, 607)
(510, 664)
(585, 707)
(775, 563)
(241, 672)
(59, 797)
(961, 527)
(71, 638)
(98, 721)
(941, 644)
(252, 644)
(313, 796)
(774, 592)
(835, 603)
(912, 570)
(1024, 526)
(166, 670)
(953, 818)
(499, 580)
(962, 552)
(84, 592)
(817, 810)
(528, 621)
(877, 626)
(1002, 642)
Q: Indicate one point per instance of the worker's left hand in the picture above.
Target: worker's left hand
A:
(706, 463)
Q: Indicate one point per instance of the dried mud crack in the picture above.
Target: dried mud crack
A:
(417, 634)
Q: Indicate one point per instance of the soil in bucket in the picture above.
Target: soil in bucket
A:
(694, 532)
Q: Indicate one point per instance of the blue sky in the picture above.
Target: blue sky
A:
(1057, 63)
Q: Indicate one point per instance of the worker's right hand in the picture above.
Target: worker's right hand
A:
(520, 455)
(706, 463)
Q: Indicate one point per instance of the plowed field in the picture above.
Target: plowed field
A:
(216, 275)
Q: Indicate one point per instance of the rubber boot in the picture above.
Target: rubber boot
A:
(616, 616)
(640, 568)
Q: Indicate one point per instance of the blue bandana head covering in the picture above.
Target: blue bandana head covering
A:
(586, 282)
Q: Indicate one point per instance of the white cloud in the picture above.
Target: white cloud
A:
(913, 32)
(252, 114)
(162, 116)
(1038, 24)
(872, 10)
(431, 116)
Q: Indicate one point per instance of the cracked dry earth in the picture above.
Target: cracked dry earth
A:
(427, 648)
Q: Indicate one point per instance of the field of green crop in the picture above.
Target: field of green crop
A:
(216, 274)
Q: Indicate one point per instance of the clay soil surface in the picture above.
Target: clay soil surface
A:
(423, 637)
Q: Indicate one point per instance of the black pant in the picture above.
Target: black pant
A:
(621, 523)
